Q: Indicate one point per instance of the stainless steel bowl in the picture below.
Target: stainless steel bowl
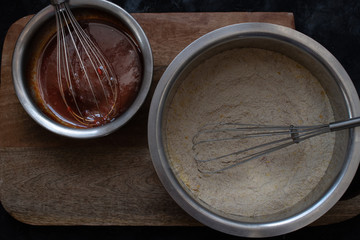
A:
(22, 54)
(343, 98)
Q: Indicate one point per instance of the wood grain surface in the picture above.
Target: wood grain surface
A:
(46, 179)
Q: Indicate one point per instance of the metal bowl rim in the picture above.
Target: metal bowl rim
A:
(41, 118)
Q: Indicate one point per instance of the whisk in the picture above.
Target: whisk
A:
(87, 83)
(252, 141)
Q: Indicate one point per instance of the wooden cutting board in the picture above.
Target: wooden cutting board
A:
(46, 179)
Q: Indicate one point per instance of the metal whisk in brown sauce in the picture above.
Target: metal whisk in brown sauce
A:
(125, 60)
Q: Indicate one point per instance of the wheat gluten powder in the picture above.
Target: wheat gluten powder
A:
(255, 86)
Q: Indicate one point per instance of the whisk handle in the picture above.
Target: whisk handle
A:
(56, 2)
(340, 125)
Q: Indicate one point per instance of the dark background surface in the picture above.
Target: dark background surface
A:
(334, 24)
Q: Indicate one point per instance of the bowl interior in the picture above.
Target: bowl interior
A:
(328, 80)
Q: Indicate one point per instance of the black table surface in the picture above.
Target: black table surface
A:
(334, 24)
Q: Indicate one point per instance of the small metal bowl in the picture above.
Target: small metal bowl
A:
(343, 99)
(23, 54)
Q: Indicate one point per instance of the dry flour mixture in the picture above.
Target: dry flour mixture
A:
(250, 86)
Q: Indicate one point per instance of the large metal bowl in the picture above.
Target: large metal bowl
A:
(38, 31)
(333, 78)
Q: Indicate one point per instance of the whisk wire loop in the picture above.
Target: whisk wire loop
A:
(71, 38)
(102, 67)
(62, 54)
(66, 14)
(226, 132)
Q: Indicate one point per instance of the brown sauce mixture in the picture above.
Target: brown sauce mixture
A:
(125, 60)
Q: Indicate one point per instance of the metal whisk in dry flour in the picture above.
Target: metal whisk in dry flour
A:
(250, 86)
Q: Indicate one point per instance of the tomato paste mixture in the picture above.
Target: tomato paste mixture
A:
(99, 104)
